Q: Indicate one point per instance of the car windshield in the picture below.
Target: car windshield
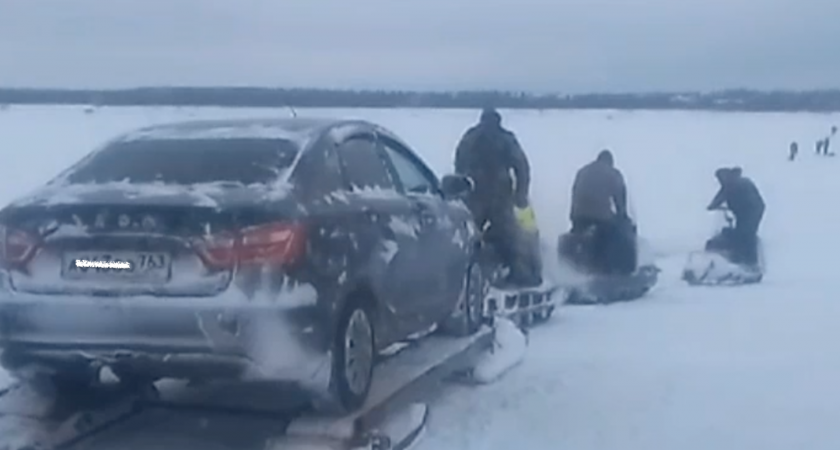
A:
(189, 161)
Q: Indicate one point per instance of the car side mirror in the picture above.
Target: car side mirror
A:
(455, 186)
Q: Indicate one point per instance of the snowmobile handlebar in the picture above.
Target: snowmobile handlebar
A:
(727, 214)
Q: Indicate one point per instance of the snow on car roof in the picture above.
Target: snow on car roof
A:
(297, 130)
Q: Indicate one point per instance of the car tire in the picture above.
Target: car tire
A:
(353, 360)
(468, 316)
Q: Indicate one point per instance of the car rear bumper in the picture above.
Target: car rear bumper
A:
(179, 337)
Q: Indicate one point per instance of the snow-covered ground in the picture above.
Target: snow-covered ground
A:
(685, 368)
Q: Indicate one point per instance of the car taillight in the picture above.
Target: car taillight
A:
(217, 251)
(16, 246)
(278, 243)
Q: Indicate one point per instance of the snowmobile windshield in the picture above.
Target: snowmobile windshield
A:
(188, 161)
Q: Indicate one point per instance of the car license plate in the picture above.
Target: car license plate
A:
(146, 266)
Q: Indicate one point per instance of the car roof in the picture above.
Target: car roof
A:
(303, 131)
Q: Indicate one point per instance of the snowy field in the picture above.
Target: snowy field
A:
(684, 368)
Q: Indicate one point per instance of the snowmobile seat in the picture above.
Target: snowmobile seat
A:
(721, 242)
(577, 247)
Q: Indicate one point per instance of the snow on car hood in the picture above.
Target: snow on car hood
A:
(212, 195)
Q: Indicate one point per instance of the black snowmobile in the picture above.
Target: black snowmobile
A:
(604, 282)
(717, 265)
(531, 301)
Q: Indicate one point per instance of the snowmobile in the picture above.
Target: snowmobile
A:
(603, 285)
(716, 265)
(524, 305)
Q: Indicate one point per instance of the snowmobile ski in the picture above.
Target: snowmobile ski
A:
(606, 289)
(713, 269)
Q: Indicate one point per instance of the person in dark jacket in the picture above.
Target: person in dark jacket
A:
(794, 150)
(598, 193)
(488, 154)
(743, 198)
(599, 201)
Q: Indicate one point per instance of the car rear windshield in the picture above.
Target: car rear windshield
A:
(189, 161)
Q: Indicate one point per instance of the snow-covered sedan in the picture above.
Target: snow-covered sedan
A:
(287, 249)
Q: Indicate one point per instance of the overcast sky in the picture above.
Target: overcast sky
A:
(543, 46)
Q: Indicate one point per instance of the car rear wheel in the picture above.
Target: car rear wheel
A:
(353, 358)
(469, 313)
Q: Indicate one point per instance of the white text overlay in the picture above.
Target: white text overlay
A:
(103, 264)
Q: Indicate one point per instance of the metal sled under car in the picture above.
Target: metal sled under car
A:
(271, 416)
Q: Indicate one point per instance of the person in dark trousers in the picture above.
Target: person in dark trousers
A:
(488, 153)
(599, 201)
(794, 150)
(743, 198)
(819, 147)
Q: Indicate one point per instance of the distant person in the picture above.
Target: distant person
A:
(488, 153)
(819, 147)
(794, 150)
(743, 198)
(599, 201)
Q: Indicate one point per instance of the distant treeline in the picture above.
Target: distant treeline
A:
(731, 100)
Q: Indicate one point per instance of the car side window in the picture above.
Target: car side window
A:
(318, 173)
(414, 179)
(363, 164)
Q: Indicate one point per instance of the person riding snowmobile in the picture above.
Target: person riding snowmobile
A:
(599, 200)
(743, 198)
(488, 153)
